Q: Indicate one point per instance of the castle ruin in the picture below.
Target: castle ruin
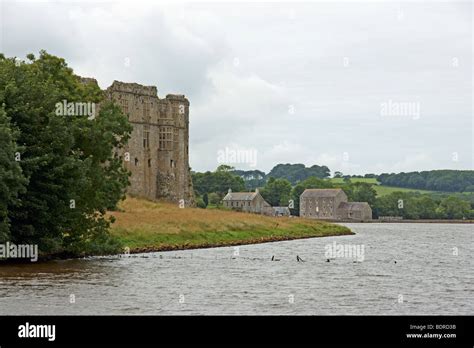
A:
(159, 145)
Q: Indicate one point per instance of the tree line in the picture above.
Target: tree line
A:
(211, 187)
(58, 174)
(294, 173)
(433, 180)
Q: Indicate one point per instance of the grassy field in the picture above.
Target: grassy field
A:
(385, 190)
(148, 226)
(367, 180)
(380, 189)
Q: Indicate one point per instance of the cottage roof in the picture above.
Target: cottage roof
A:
(321, 192)
(353, 205)
(240, 196)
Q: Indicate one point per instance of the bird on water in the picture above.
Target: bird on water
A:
(299, 259)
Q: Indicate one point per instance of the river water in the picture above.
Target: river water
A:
(404, 269)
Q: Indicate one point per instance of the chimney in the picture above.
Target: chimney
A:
(229, 190)
(256, 190)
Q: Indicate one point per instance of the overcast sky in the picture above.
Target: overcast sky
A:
(360, 87)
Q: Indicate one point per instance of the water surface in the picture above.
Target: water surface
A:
(433, 275)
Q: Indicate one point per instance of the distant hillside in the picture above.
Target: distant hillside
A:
(423, 182)
(294, 173)
(382, 190)
(433, 180)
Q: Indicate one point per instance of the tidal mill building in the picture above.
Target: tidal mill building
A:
(332, 204)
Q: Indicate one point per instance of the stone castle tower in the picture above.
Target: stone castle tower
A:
(159, 145)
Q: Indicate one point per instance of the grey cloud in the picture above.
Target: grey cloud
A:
(289, 55)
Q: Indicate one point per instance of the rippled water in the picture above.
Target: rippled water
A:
(427, 278)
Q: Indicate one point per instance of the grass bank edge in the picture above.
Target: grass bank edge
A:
(138, 241)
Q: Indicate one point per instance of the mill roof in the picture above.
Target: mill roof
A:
(353, 205)
(321, 192)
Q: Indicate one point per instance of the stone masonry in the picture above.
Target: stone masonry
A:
(159, 145)
(332, 204)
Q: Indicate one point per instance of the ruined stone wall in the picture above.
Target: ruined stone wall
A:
(159, 143)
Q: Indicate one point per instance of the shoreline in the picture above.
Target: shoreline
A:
(144, 226)
(172, 247)
(262, 240)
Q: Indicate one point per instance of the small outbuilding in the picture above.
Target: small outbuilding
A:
(354, 211)
(280, 211)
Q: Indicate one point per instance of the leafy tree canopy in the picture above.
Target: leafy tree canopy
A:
(67, 171)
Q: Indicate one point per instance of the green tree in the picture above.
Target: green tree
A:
(253, 178)
(277, 192)
(437, 180)
(469, 188)
(219, 182)
(200, 202)
(393, 204)
(296, 173)
(361, 192)
(73, 173)
(416, 206)
(214, 198)
(454, 208)
(224, 168)
(426, 207)
(205, 199)
(12, 180)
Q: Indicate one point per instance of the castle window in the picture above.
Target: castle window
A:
(146, 137)
(171, 163)
(149, 163)
(146, 110)
(136, 161)
(124, 103)
(165, 138)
